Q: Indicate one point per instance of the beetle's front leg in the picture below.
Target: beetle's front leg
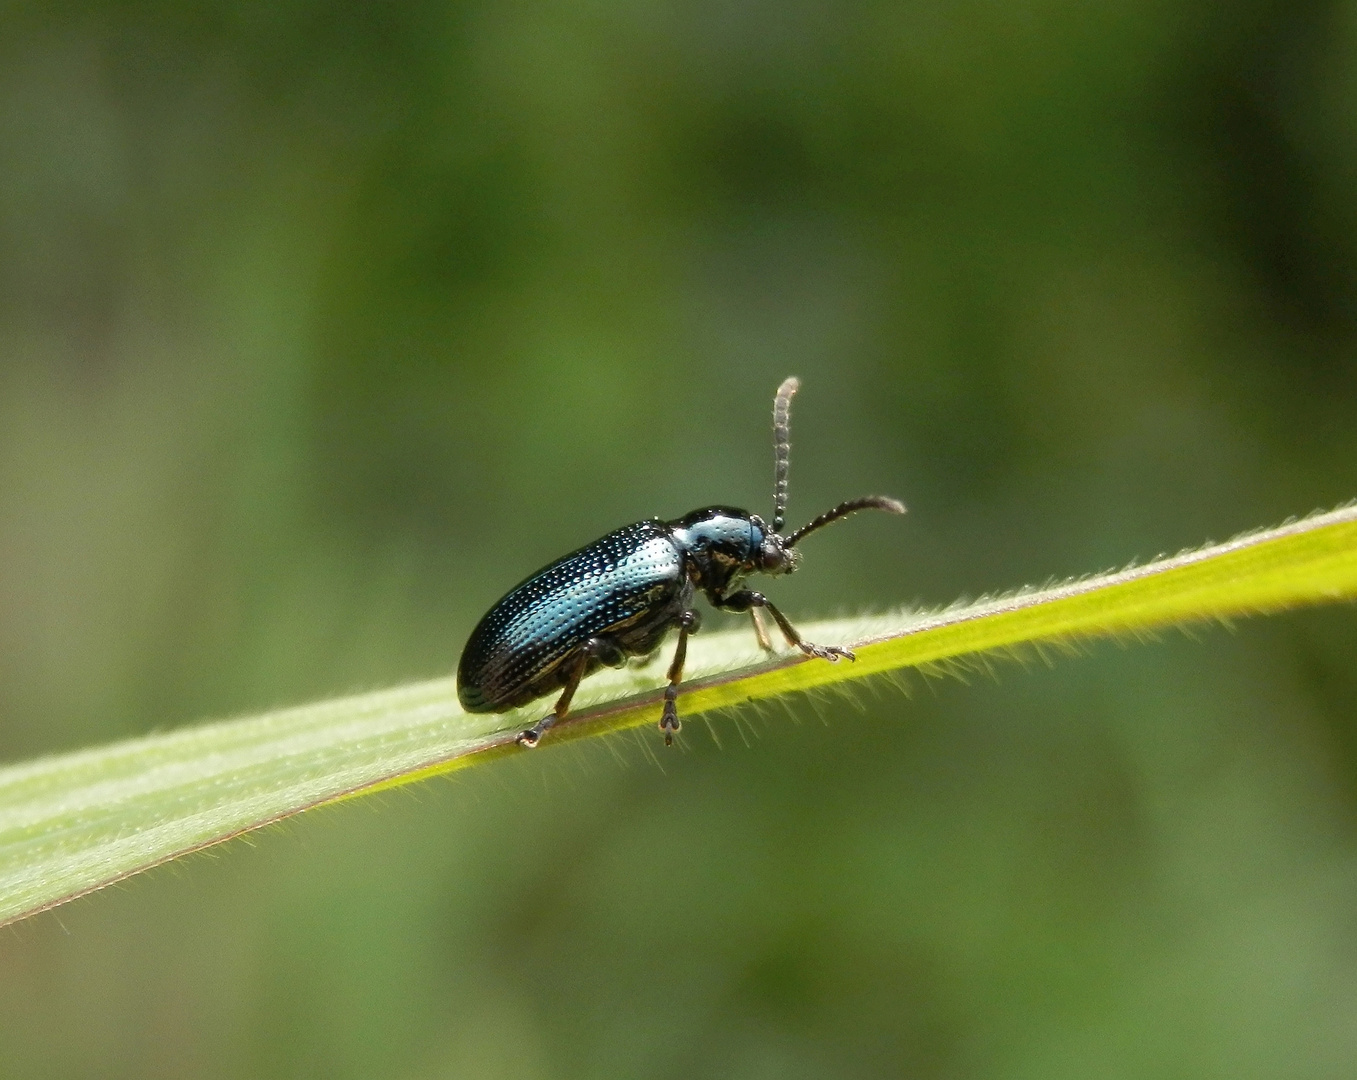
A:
(602, 648)
(688, 623)
(748, 600)
(760, 633)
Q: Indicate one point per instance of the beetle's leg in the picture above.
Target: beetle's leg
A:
(760, 631)
(604, 649)
(748, 600)
(688, 623)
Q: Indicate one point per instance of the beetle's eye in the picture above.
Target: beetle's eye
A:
(771, 557)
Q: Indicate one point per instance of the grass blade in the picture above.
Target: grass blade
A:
(74, 823)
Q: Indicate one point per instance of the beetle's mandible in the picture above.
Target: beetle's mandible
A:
(617, 597)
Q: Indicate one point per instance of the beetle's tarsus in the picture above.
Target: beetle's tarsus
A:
(670, 723)
(528, 739)
(832, 653)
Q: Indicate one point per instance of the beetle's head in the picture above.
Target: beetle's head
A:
(727, 544)
(772, 555)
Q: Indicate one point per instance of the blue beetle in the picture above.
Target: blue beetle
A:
(617, 598)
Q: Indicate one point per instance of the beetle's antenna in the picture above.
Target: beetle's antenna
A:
(782, 447)
(852, 506)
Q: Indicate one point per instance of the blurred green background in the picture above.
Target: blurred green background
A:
(322, 325)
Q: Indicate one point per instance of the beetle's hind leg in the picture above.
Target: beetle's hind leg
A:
(688, 623)
(604, 649)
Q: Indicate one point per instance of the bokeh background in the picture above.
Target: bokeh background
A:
(322, 324)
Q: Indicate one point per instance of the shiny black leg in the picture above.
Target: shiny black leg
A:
(689, 622)
(748, 600)
(603, 649)
(760, 631)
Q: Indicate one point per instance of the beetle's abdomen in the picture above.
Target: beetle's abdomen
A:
(623, 585)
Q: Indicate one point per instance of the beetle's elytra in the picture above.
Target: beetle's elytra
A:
(617, 597)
